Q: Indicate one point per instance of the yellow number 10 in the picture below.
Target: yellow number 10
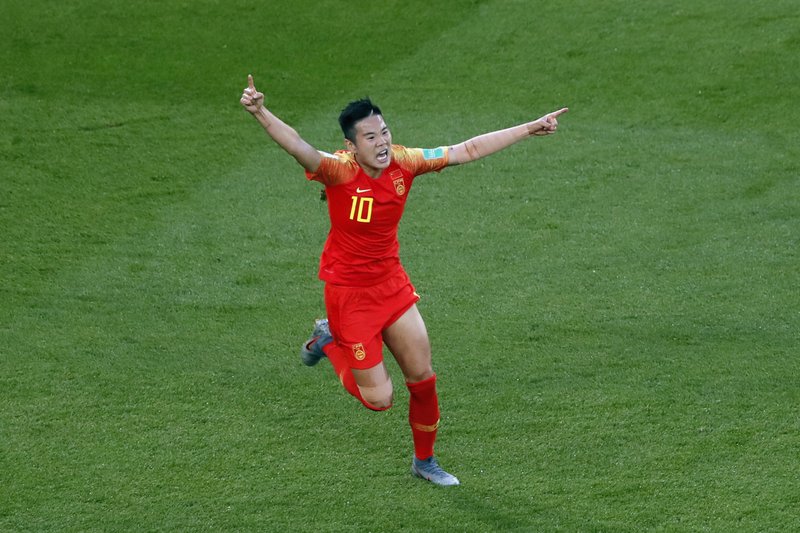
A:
(364, 211)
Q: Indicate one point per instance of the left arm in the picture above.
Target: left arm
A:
(489, 143)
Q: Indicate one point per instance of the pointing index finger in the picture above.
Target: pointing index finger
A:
(559, 112)
(250, 81)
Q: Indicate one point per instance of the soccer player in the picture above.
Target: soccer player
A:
(369, 299)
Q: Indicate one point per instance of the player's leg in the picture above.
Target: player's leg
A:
(371, 386)
(351, 340)
(407, 339)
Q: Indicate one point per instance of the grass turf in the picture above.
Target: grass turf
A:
(613, 310)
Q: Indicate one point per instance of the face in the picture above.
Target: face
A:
(372, 146)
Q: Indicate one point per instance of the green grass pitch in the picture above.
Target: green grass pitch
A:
(614, 310)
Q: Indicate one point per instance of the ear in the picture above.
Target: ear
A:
(350, 145)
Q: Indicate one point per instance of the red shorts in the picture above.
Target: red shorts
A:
(358, 315)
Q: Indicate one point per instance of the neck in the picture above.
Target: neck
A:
(373, 173)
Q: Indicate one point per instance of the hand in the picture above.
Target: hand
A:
(547, 124)
(252, 100)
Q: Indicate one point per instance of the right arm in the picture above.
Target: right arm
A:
(283, 134)
(489, 143)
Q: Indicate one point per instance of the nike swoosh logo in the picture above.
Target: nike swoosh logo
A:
(359, 190)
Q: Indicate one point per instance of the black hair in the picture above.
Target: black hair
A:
(355, 111)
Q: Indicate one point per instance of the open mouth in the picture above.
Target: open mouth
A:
(383, 156)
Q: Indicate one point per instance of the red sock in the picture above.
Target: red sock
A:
(344, 373)
(423, 415)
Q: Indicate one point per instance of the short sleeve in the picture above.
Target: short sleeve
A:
(421, 160)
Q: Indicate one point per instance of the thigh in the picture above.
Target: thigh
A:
(374, 377)
(407, 339)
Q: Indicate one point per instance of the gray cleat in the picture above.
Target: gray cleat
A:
(311, 351)
(429, 469)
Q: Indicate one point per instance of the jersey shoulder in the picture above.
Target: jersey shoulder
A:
(334, 169)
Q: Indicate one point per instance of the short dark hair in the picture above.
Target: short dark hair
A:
(355, 111)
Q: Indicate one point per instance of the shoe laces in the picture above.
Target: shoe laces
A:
(430, 465)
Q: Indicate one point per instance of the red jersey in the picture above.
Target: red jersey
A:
(362, 247)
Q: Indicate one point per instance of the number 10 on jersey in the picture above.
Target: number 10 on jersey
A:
(361, 210)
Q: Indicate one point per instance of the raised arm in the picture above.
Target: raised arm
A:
(492, 142)
(283, 134)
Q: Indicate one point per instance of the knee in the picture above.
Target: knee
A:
(422, 373)
(377, 403)
(380, 404)
(378, 398)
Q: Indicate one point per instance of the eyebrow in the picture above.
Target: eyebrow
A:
(383, 127)
(372, 132)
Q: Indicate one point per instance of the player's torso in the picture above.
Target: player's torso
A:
(370, 206)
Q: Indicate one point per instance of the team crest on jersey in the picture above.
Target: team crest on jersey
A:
(358, 352)
(399, 186)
